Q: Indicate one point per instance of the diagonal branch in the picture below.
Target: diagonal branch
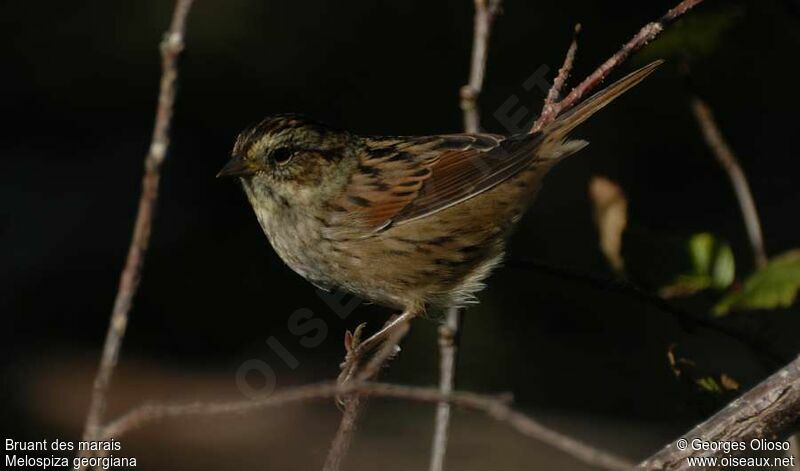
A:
(639, 40)
(353, 402)
(769, 410)
(722, 151)
(171, 47)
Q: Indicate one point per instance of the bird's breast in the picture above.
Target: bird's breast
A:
(294, 232)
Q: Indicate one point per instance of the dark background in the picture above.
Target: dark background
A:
(79, 87)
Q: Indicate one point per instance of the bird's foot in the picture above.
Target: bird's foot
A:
(352, 357)
(353, 368)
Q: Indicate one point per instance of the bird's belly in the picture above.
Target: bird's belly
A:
(438, 260)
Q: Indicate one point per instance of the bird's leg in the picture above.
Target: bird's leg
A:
(356, 349)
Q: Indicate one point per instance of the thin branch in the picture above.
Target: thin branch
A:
(769, 410)
(496, 407)
(644, 36)
(344, 434)
(171, 47)
(353, 403)
(722, 151)
(549, 109)
(485, 13)
(448, 355)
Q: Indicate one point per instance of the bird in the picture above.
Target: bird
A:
(409, 222)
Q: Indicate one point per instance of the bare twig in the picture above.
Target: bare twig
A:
(353, 404)
(644, 36)
(448, 353)
(171, 47)
(485, 13)
(496, 407)
(344, 434)
(769, 410)
(549, 110)
(722, 151)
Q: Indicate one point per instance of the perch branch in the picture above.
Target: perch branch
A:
(496, 407)
(770, 410)
(722, 151)
(353, 403)
(640, 39)
(171, 47)
(344, 434)
(485, 13)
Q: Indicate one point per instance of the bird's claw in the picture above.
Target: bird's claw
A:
(352, 342)
(353, 339)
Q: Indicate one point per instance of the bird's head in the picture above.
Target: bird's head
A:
(291, 155)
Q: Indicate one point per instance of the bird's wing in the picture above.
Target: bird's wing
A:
(403, 179)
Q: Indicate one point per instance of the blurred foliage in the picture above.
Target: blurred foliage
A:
(713, 266)
(774, 286)
(677, 265)
(694, 378)
(710, 384)
(711, 263)
(704, 264)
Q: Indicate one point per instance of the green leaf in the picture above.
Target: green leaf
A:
(771, 287)
(713, 266)
(709, 384)
(701, 247)
(723, 268)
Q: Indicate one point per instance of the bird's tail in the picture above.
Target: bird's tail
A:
(556, 132)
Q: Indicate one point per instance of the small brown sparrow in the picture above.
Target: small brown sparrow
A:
(406, 222)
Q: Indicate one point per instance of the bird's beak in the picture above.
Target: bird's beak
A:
(236, 167)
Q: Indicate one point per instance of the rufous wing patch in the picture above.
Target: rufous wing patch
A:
(402, 179)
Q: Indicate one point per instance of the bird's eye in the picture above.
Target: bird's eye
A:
(282, 155)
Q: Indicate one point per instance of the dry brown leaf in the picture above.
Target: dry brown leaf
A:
(611, 217)
(728, 383)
